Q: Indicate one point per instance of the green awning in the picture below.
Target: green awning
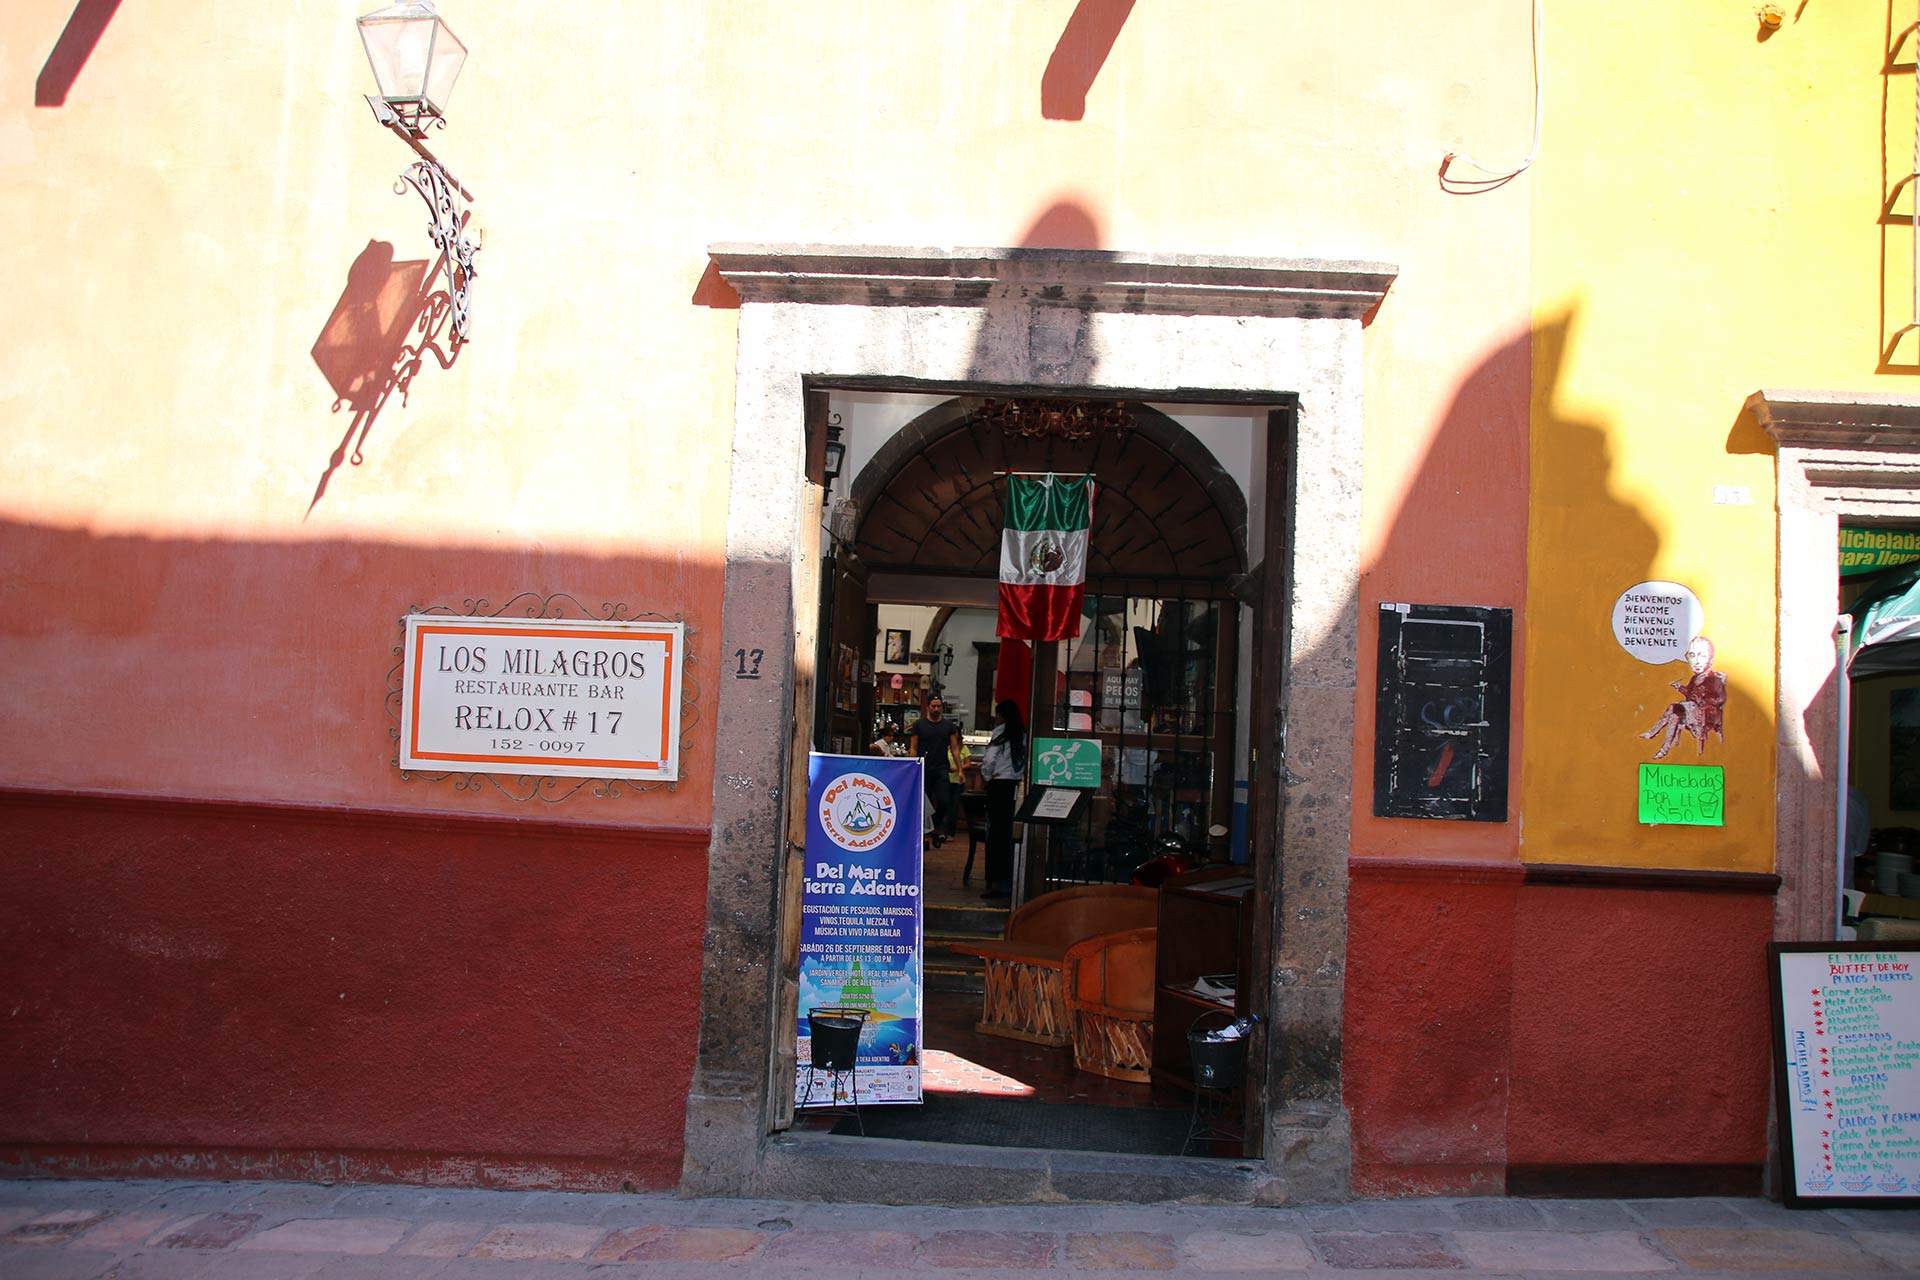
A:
(1886, 626)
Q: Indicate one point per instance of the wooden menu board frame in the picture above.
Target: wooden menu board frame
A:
(1442, 712)
(1803, 1016)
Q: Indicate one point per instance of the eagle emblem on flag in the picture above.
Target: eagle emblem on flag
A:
(1047, 557)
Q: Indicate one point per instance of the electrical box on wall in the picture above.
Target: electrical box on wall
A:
(1442, 713)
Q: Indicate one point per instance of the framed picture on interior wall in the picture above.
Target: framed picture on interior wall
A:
(1903, 749)
(845, 692)
(898, 645)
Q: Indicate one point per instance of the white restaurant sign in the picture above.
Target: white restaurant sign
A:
(552, 696)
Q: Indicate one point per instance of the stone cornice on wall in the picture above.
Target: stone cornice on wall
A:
(1853, 453)
(1815, 419)
(1093, 279)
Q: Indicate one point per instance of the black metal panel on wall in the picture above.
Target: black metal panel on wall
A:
(1442, 713)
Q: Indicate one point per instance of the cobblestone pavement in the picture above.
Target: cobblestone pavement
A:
(178, 1230)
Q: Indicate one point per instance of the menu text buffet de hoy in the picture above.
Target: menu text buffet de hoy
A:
(1857, 1074)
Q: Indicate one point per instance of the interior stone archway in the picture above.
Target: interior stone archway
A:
(983, 321)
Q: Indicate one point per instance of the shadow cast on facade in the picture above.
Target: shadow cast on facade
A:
(1507, 1030)
(1077, 58)
(76, 44)
(375, 342)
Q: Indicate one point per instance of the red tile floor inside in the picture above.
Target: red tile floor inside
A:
(958, 1059)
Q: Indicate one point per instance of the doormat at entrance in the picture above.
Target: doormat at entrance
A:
(1004, 1122)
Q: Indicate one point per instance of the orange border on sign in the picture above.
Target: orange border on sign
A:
(657, 765)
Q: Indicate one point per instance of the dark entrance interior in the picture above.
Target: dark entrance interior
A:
(1161, 677)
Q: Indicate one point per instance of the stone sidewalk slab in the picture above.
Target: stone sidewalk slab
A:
(1119, 1251)
(442, 1239)
(1002, 1250)
(329, 1235)
(124, 1230)
(1386, 1250)
(1568, 1251)
(538, 1242)
(50, 1230)
(209, 1231)
(680, 1244)
(1901, 1248)
(1246, 1249)
(847, 1250)
(1766, 1249)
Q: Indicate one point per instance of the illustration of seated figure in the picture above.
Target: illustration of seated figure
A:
(1701, 709)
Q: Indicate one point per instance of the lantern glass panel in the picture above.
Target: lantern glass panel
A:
(414, 56)
(449, 55)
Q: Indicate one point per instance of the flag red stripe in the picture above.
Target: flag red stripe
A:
(1040, 613)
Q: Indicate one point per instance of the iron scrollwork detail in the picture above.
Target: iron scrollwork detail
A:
(447, 227)
(524, 787)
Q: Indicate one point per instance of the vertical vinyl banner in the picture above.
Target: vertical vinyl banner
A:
(860, 919)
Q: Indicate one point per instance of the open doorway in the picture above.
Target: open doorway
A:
(1279, 335)
(1152, 691)
(1879, 818)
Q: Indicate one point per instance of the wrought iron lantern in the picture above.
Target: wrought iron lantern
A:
(415, 59)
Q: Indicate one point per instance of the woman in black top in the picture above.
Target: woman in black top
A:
(1002, 766)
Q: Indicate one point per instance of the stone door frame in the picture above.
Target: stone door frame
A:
(1838, 456)
(1144, 327)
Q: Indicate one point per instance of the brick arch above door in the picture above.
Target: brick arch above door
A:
(931, 498)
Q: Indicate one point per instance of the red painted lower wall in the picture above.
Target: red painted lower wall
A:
(1501, 1032)
(231, 990)
(1428, 1009)
(1640, 1027)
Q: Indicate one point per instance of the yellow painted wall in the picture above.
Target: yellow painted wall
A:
(1705, 224)
(183, 616)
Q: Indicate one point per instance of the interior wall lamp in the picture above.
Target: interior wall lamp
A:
(415, 59)
(836, 450)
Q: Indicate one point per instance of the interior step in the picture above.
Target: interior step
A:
(982, 921)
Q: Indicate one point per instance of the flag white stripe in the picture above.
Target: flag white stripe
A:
(1016, 557)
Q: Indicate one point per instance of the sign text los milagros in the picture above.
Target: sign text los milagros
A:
(542, 696)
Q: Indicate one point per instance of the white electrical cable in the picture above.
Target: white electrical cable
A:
(1494, 176)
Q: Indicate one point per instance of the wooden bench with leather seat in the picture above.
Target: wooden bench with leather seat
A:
(1025, 997)
(1109, 987)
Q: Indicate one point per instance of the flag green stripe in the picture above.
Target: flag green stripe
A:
(1057, 502)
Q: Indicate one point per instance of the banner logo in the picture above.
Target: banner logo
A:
(857, 812)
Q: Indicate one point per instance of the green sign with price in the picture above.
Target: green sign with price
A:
(1065, 762)
(1683, 795)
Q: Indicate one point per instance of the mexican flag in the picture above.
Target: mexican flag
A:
(1043, 556)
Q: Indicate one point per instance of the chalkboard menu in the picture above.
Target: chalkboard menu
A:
(1441, 715)
(1846, 1047)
